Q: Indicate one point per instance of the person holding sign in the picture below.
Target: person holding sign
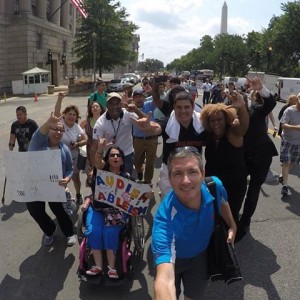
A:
(48, 137)
(104, 222)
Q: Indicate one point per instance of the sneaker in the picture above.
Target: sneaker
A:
(71, 240)
(95, 270)
(79, 199)
(280, 179)
(140, 176)
(285, 190)
(112, 273)
(48, 240)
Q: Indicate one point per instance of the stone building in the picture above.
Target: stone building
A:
(37, 33)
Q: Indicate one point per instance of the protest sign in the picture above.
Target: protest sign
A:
(122, 193)
(33, 176)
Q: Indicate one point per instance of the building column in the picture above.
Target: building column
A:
(42, 9)
(65, 14)
(54, 5)
(25, 6)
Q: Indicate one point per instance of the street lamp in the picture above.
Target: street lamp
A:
(269, 54)
(63, 59)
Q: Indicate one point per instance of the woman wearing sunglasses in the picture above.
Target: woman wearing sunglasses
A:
(103, 222)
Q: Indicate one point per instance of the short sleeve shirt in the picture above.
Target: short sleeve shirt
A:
(291, 116)
(23, 133)
(117, 131)
(182, 232)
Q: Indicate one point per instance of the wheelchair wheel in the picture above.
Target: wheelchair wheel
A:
(138, 234)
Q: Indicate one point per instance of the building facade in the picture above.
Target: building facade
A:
(37, 33)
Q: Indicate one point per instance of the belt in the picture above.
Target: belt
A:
(146, 137)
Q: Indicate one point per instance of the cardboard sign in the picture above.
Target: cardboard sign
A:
(33, 176)
(122, 193)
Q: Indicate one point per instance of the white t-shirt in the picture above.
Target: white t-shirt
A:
(119, 130)
(72, 135)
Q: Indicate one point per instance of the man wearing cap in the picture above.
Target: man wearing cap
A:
(21, 130)
(116, 126)
(290, 142)
(100, 95)
(144, 145)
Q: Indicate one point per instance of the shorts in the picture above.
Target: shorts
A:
(289, 153)
(75, 169)
(192, 272)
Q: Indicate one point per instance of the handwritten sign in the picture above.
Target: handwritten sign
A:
(33, 176)
(122, 193)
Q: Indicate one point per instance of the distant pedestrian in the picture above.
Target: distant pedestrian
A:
(21, 130)
(206, 91)
(290, 143)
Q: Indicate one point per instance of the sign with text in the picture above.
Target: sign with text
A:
(33, 176)
(122, 193)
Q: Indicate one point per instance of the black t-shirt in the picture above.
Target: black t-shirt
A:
(187, 137)
(23, 133)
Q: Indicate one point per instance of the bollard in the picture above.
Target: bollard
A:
(4, 95)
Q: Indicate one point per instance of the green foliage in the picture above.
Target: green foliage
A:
(106, 29)
(274, 50)
(150, 65)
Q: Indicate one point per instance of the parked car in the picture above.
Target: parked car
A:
(132, 77)
(116, 85)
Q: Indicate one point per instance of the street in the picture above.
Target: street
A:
(269, 256)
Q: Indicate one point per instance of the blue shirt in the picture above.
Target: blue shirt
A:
(181, 232)
(40, 142)
(146, 108)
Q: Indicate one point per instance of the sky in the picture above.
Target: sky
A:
(169, 29)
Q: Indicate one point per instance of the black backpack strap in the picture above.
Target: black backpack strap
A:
(212, 189)
(95, 96)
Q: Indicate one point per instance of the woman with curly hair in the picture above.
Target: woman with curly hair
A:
(225, 127)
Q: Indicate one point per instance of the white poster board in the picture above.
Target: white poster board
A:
(122, 193)
(33, 176)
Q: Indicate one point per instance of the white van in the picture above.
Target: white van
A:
(287, 86)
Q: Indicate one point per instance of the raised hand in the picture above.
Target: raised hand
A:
(143, 123)
(254, 83)
(52, 121)
(102, 143)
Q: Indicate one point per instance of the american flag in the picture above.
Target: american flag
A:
(79, 6)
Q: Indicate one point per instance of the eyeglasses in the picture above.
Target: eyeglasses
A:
(186, 148)
(115, 155)
(57, 129)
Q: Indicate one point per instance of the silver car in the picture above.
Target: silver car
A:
(116, 85)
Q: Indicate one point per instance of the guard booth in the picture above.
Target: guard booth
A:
(35, 81)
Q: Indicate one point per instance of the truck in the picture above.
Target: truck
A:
(287, 86)
(269, 80)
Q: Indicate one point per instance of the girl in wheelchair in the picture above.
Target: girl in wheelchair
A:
(104, 222)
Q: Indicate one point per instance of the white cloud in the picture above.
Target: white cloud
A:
(170, 29)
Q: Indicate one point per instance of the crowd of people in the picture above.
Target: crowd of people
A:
(121, 133)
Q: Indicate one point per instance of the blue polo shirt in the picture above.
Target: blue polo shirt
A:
(181, 232)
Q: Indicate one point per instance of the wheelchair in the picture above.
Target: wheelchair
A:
(128, 255)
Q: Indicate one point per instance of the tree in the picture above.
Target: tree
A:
(106, 29)
(150, 65)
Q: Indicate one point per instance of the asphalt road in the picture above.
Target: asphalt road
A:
(269, 257)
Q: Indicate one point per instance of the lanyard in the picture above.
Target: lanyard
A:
(115, 131)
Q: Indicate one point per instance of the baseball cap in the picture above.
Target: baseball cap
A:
(138, 92)
(113, 95)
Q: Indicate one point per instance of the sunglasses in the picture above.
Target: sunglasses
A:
(57, 129)
(186, 148)
(115, 155)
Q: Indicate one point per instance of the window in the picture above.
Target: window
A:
(39, 39)
(37, 78)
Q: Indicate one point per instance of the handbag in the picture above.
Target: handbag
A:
(222, 261)
(113, 217)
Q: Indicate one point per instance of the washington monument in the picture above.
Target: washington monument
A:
(224, 18)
